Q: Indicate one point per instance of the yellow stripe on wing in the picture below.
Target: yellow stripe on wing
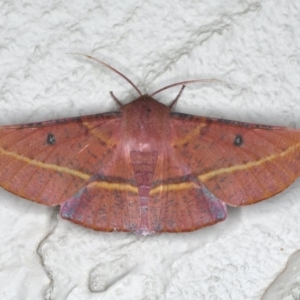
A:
(205, 177)
(115, 186)
(190, 135)
(60, 169)
(47, 166)
(249, 165)
(98, 134)
(171, 187)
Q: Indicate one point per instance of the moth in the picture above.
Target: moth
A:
(147, 169)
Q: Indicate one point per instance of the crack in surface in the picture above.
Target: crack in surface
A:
(53, 224)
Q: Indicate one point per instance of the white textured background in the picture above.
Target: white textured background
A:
(253, 45)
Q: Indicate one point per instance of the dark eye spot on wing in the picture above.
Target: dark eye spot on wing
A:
(50, 139)
(238, 140)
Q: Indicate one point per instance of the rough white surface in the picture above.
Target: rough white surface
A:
(252, 45)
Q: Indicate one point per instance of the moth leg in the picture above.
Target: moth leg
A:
(115, 99)
(177, 97)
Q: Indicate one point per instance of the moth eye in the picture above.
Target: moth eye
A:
(50, 139)
(238, 140)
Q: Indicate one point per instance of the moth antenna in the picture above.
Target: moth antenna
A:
(183, 83)
(115, 99)
(177, 97)
(111, 68)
